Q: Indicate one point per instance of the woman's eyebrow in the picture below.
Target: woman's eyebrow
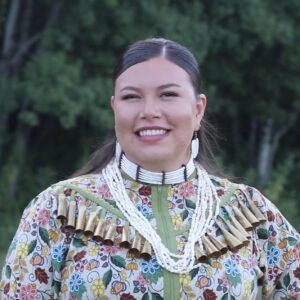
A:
(131, 88)
(163, 86)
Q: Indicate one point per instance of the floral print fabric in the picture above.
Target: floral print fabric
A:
(46, 260)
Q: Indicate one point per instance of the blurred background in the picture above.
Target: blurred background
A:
(55, 84)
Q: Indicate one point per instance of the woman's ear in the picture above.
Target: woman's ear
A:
(200, 109)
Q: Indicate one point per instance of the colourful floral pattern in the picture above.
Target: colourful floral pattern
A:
(28, 292)
(150, 266)
(48, 261)
(273, 256)
(231, 268)
(58, 253)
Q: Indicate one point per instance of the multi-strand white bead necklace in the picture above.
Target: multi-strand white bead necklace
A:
(207, 208)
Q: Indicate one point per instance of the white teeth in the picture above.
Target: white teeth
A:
(152, 132)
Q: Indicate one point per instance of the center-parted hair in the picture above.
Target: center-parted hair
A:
(157, 47)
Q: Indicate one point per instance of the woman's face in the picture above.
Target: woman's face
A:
(156, 114)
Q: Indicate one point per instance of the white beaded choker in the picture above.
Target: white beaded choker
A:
(139, 174)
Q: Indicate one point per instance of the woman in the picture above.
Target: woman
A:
(144, 220)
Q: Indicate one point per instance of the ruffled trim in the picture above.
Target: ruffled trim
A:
(235, 222)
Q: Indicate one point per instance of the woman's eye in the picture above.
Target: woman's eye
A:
(129, 96)
(169, 94)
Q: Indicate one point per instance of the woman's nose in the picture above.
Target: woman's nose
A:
(151, 108)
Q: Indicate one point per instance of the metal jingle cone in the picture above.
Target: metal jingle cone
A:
(239, 227)
(242, 219)
(90, 225)
(249, 215)
(110, 234)
(210, 248)
(99, 231)
(62, 207)
(231, 241)
(136, 246)
(125, 237)
(71, 215)
(237, 234)
(146, 252)
(80, 219)
(219, 245)
(256, 211)
(200, 256)
(260, 279)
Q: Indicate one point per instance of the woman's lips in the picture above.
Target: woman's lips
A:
(152, 135)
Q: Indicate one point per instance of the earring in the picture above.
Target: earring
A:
(195, 145)
(118, 151)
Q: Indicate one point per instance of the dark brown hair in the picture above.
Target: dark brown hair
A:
(182, 57)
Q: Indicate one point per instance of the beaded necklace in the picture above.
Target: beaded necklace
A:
(207, 209)
(142, 175)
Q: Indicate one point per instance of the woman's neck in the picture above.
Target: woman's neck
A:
(159, 166)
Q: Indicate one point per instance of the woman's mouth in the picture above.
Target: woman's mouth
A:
(152, 132)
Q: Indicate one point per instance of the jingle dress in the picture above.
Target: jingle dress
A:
(49, 260)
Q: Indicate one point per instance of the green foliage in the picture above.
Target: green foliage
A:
(8, 92)
(281, 190)
(54, 87)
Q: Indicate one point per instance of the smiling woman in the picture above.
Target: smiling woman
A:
(145, 218)
(156, 114)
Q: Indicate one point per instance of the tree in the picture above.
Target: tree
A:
(253, 62)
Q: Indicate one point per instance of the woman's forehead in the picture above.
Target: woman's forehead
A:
(154, 72)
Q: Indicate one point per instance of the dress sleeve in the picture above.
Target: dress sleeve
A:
(278, 246)
(34, 258)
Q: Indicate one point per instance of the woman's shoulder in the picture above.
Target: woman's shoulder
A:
(227, 188)
(243, 196)
(87, 181)
(65, 189)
